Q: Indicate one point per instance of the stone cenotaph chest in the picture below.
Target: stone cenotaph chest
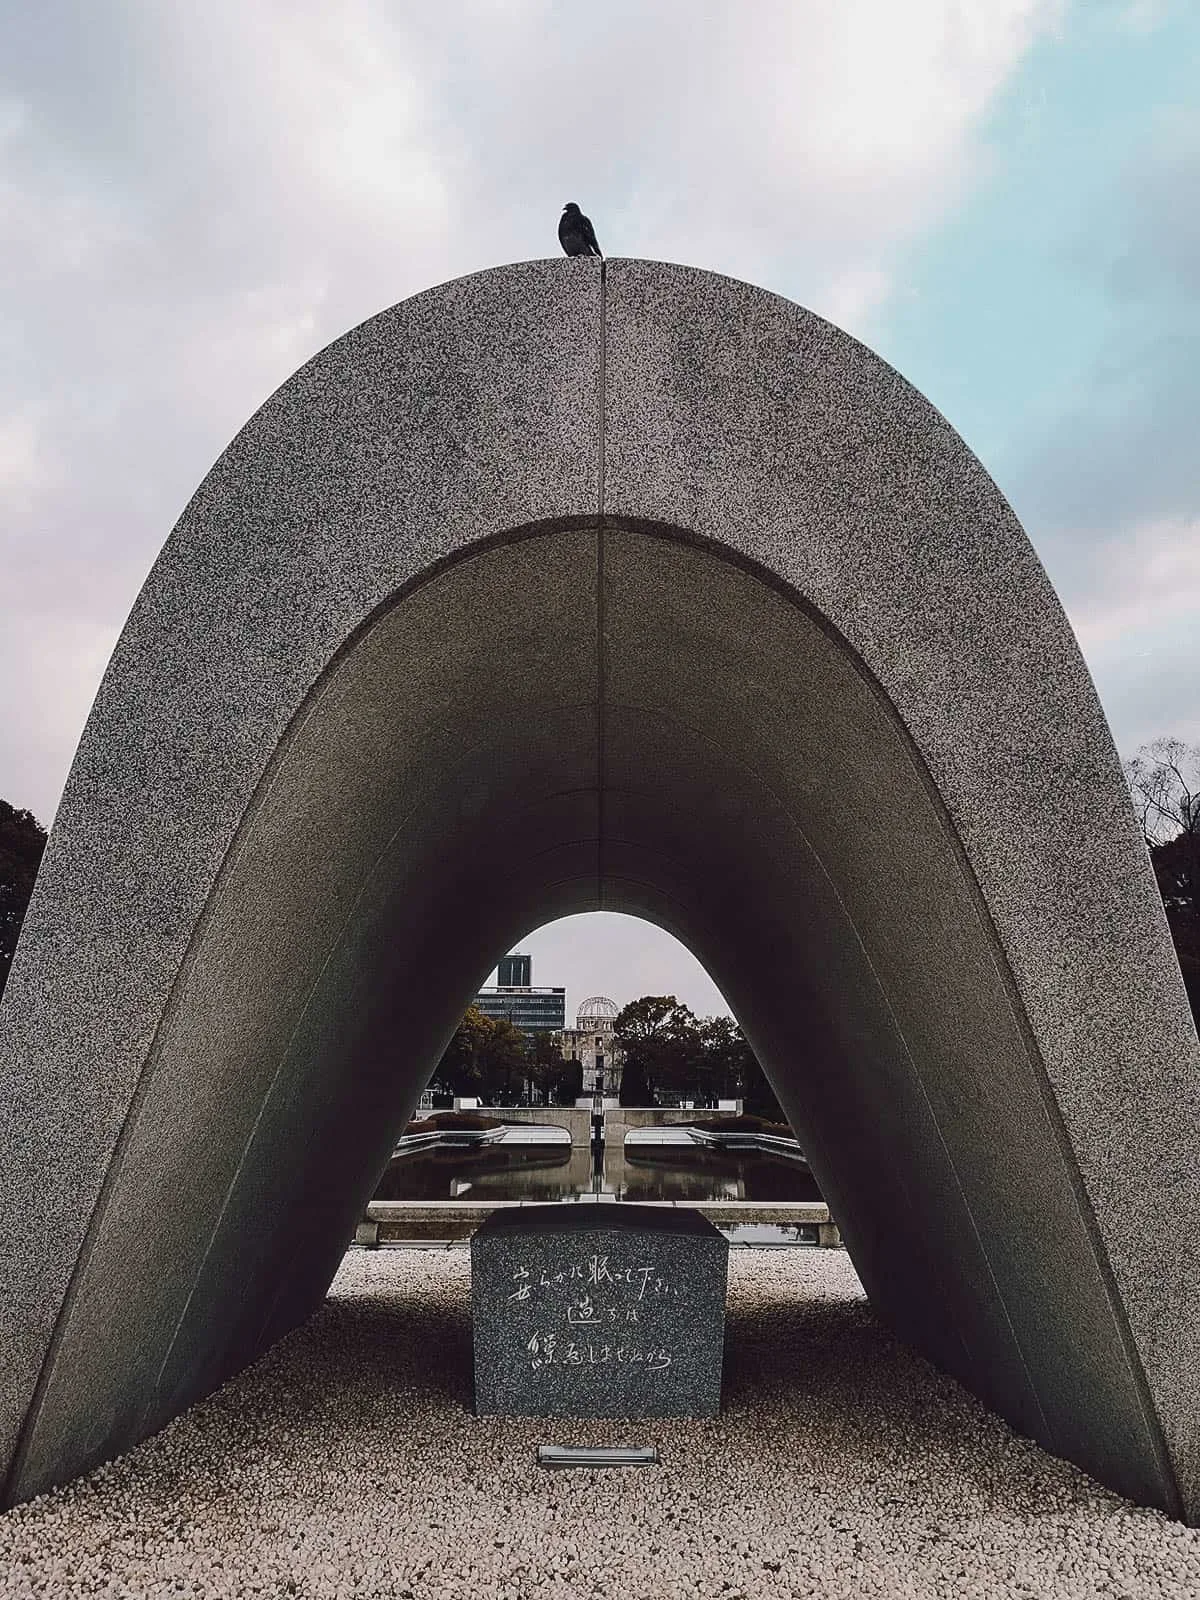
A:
(598, 1311)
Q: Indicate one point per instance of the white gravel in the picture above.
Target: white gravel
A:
(346, 1464)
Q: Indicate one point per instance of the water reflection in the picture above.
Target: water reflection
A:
(671, 1173)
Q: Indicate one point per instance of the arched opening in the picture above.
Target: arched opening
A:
(554, 1092)
(623, 956)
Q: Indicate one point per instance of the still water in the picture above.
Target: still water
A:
(567, 1173)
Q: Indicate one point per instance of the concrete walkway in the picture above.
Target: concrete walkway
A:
(348, 1464)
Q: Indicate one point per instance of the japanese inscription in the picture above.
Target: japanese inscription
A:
(600, 1313)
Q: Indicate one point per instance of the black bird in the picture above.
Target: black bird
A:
(576, 234)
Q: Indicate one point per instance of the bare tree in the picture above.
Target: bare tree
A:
(1164, 780)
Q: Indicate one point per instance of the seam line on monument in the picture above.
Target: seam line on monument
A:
(601, 687)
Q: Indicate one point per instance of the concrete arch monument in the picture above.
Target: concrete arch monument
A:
(576, 585)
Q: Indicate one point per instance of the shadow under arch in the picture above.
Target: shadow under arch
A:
(584, 712)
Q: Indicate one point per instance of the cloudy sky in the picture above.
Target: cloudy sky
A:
(1002, 197)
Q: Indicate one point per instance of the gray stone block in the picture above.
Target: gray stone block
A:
(598, 1311)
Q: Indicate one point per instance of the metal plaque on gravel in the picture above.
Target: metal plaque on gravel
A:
(598, 1311)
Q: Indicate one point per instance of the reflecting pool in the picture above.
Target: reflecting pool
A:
(567, 1172)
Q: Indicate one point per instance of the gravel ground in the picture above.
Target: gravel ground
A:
(346, 1464)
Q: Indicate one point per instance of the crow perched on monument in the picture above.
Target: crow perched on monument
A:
(575, 232)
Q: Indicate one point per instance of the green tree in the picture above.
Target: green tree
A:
(668, 1050)
(757, 1096)
(734, 1071)
(635, 1089)
(459, 1071)
(22, 841)
(502, 1062)
(570, 1083)
(1175, 867)
(490, 1058)
(660, 1041)
(728, 1060)
(544, 1065)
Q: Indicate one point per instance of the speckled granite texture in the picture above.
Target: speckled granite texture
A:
(422, 667)
(598, 1311)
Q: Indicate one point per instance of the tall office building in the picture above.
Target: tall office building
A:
(515, 972)
(515, 998)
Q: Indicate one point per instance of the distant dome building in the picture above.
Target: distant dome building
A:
(591, 1043)
(598, 1008)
